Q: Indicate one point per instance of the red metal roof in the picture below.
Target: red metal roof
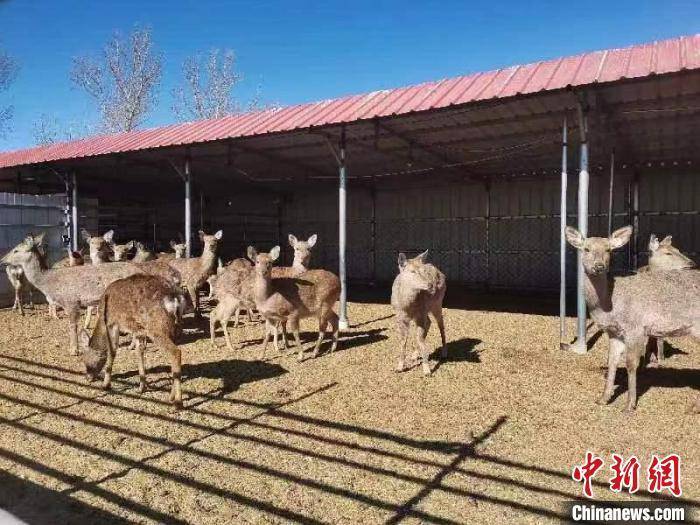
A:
(667, 56)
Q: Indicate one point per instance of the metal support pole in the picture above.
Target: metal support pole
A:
(562, 238)
(188, 208)
(201, 210)
(342, 231)
(374, 232)
(635, 221)
(610, 195)
(580, 347)
(74, 213)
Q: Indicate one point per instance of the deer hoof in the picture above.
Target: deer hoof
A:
(603, 400)
(427, 370)
(629, 410)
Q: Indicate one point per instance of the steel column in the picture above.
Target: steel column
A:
(74, 213)
(610, 195)
(635, 221)
(562, 237)
(342, 231)
(188, 208)
(580, 347)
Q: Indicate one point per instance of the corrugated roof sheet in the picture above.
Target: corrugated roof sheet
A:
(655, 58)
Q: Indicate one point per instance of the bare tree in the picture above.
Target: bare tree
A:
(207, 89)
(8, 73)
(48, 129)
(123, 80)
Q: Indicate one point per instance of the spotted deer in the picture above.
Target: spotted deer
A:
(120, 252)
(99, 247)
(631, 309)
(18, 281)
(312, 294)
(664, 256)
(143, 306)
(418, 290)
(179, 250)
(71, 288)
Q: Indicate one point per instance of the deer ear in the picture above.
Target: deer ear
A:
(574, 237)
(620, 237)
(423, 256)
(218, 235)
(275, 253)
(312, 241)
(85, 235)
(653, 243)
(173, 244)
(130, 245)
(292, 240)
(201, 235)
(402, 260)
(109, 236)
(252, 253)
(667, 241)
(39, 239)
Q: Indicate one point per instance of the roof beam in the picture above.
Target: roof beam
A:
(280, 159)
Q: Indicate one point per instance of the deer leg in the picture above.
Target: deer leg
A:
(235, 320)
(73, 312)
(213, 318)
(660, 343)
(175, 367)
(695, 408)
(437, 313)
(250, 315)
(227, 332)
(322, 322)
(634, 352)
(142, 364)
(31, 298)
(111, 351)
(268, 327)
(335, 327)
(294, 325)
(421, 333)
(275, 336)
(18, 300)
(403, 327)
(616, 350)
(195, 301)
(88, 317)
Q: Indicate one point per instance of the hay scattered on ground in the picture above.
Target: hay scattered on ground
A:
(490, 437)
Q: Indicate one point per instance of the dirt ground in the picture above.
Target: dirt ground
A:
(491, 436)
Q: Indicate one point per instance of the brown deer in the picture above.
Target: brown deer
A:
(143, 254)
(418, 290)
(195, 271)
(664, 256)
(311, 294)
(631, 309)
(233, 289)
(143, 306)
(74, 258)
(179, 250)
(18, 281)
(71, 288)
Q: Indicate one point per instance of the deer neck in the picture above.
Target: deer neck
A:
(598, 292)
(262, 287)
(207, 261)
(298, 266)
(32, 270)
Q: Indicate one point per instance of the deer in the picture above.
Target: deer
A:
(418, 290)
(18, 281)
(664, 256)
(312, 294)
(99, 247)
(74, 258)
(179, 250)
(71, 288)
(233, 290)
(142, 254)
(142, 306)
(195, 270)
(120, 252)
(632, 308)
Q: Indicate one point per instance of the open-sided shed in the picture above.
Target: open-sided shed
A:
(470, 167)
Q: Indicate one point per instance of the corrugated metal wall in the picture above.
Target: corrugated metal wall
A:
(501, 236)
(22, 214)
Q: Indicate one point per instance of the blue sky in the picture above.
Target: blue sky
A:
(302, 51)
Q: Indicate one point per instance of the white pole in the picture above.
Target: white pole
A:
(610, 195)
(188, 209)
(74, 213)
(562, 238)
(581, 347)
(342, 230)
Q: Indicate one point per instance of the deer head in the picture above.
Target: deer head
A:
(93, 359)
(263, 261)
(596, 251)
(96, 243)
(179, 248)
(25, 251)
(664, 256)
(210, 242)
(302, 249)
(121, 251)
(411, 270)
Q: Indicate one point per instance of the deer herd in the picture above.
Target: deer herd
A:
(146, 296)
